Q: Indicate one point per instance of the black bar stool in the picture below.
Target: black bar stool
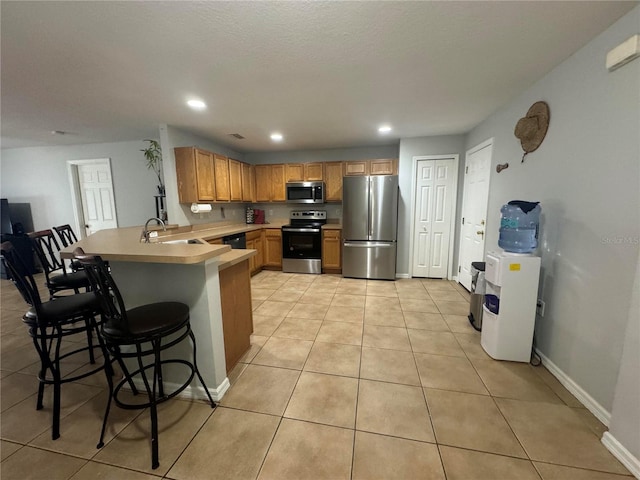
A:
(49, 323)
(67, 237)
(144, 331)
(47, 250)
(57, 279)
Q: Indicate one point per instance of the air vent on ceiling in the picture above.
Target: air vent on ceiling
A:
(236, 135)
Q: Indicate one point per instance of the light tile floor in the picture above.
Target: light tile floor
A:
(345, 379)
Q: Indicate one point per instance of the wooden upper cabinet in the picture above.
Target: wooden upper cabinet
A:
(221, 168)
(294, 172)
(313, 172)
(263, 183)
(195, 175)
(384, 166)
(304, 172)
(360, 167)
(247, 183)
(278, 183)
(235, 180)
(333, 181)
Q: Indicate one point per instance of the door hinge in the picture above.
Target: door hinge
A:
(466, 169)
(458, 268)
(462, 220)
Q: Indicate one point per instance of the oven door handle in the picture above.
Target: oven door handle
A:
(301, 230)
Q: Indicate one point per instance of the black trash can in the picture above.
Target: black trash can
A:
(478, 289)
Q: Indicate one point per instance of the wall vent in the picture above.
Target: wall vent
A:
(236, 135)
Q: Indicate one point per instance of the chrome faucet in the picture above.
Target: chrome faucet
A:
(145, 232)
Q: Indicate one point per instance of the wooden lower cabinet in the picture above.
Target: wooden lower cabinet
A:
(237, 315)
(273, 247)
(255, 242)
(331, 251)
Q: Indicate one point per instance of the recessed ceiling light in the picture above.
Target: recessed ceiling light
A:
(197, 104)
(276, 137)
(384, 129)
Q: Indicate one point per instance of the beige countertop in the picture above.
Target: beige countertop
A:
(212, 231)
(332, 226)
(123, 244)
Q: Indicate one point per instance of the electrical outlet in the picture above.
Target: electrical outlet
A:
(270, 213)
(540, 307)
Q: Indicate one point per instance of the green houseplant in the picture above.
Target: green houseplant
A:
(153, 155)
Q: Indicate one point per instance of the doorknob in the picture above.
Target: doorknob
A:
(480, 232)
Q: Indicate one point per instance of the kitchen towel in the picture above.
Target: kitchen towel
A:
(200, 207)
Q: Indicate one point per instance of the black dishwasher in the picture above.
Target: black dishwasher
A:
(238, 240)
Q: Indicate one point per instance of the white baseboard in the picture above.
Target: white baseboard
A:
(190, 392)
(621, 453)
(587, 400)
(402, 275)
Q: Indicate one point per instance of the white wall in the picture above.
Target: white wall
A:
(418, 146)
(586, 175)
(38, 175)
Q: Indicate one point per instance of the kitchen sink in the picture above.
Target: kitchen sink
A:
(177, 242)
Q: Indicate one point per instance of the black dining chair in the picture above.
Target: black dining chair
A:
(141, 334)
(49, 324)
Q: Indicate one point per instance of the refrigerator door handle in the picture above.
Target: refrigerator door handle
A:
(369, 244)
(370, 217)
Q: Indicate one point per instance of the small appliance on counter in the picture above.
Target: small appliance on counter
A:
(258, 216)
(302, 242)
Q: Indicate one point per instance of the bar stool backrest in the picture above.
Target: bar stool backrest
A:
(102, 283)
(47, 248)
(21, 277)
(66, 235)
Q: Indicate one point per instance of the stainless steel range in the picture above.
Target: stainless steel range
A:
(302, 242)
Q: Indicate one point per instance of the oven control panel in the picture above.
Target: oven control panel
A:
(309, 215)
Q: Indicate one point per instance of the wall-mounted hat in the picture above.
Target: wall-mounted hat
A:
(532, 128)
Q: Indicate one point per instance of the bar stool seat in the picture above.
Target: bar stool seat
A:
(148, 321)
(68, 281)
(81, 304)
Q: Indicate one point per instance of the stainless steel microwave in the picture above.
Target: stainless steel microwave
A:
(305, 192)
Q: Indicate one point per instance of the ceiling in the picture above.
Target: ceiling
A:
(324, 74)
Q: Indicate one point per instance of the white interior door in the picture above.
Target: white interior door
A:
(96, 192)
(435, 186)
(474, 209)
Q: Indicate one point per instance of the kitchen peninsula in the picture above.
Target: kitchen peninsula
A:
(183, 272)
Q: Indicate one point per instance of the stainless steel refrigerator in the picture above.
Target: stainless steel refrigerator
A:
(369, 226)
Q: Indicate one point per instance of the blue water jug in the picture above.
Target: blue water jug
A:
(519, 226)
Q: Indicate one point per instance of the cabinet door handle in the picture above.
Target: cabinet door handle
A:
(480, 232)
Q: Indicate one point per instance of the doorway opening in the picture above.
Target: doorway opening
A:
(92, 195)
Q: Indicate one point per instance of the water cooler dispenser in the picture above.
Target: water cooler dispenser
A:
(509, 310)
